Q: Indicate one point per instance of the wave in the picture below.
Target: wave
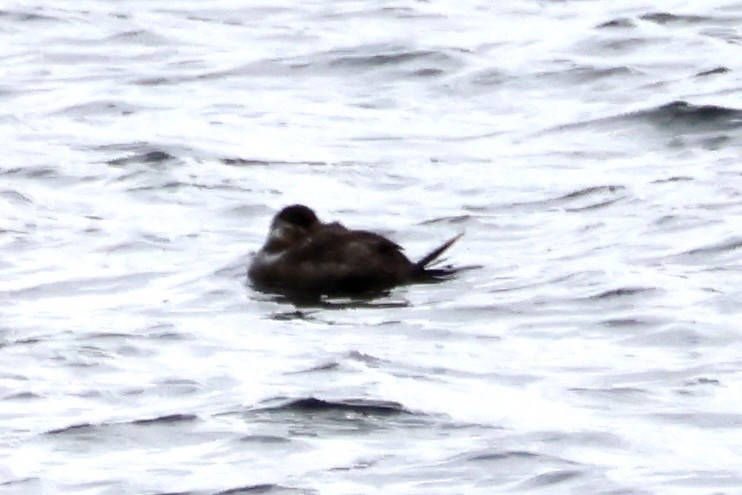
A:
(269, 488)
(667, 18)
(365, 407)
(385, 58)
(150, 156)
(367, 359)
(245, 490)
(89, 427)
(621, 292)
(717, 248)
(678, 116)
(585, 198)
(681, 113)
(19, 16)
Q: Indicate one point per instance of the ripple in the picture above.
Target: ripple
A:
(551, 478)
(663, 18)
(23, 16)
(268, 488)
(167, 419)
(683, 115)
(154, 157)
(622, 292)
(363, 407)
(716, 248)
(170, 419)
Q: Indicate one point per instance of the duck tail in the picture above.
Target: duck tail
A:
(421, 270)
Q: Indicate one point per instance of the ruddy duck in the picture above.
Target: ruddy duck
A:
(302, 254)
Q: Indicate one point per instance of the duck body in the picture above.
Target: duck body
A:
(305, 255)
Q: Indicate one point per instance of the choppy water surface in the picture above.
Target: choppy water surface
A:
(589, 150)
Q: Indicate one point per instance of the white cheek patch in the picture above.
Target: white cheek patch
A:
(270, 258)
(282, 235)
(279, 233)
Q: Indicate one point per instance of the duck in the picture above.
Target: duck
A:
(305, 255)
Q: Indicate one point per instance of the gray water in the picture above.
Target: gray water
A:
(589, 150)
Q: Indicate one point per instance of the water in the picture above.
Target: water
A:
(589, 151)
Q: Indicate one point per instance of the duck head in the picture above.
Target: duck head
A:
(291, 225)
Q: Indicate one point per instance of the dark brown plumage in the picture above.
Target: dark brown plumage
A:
(305, 255)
